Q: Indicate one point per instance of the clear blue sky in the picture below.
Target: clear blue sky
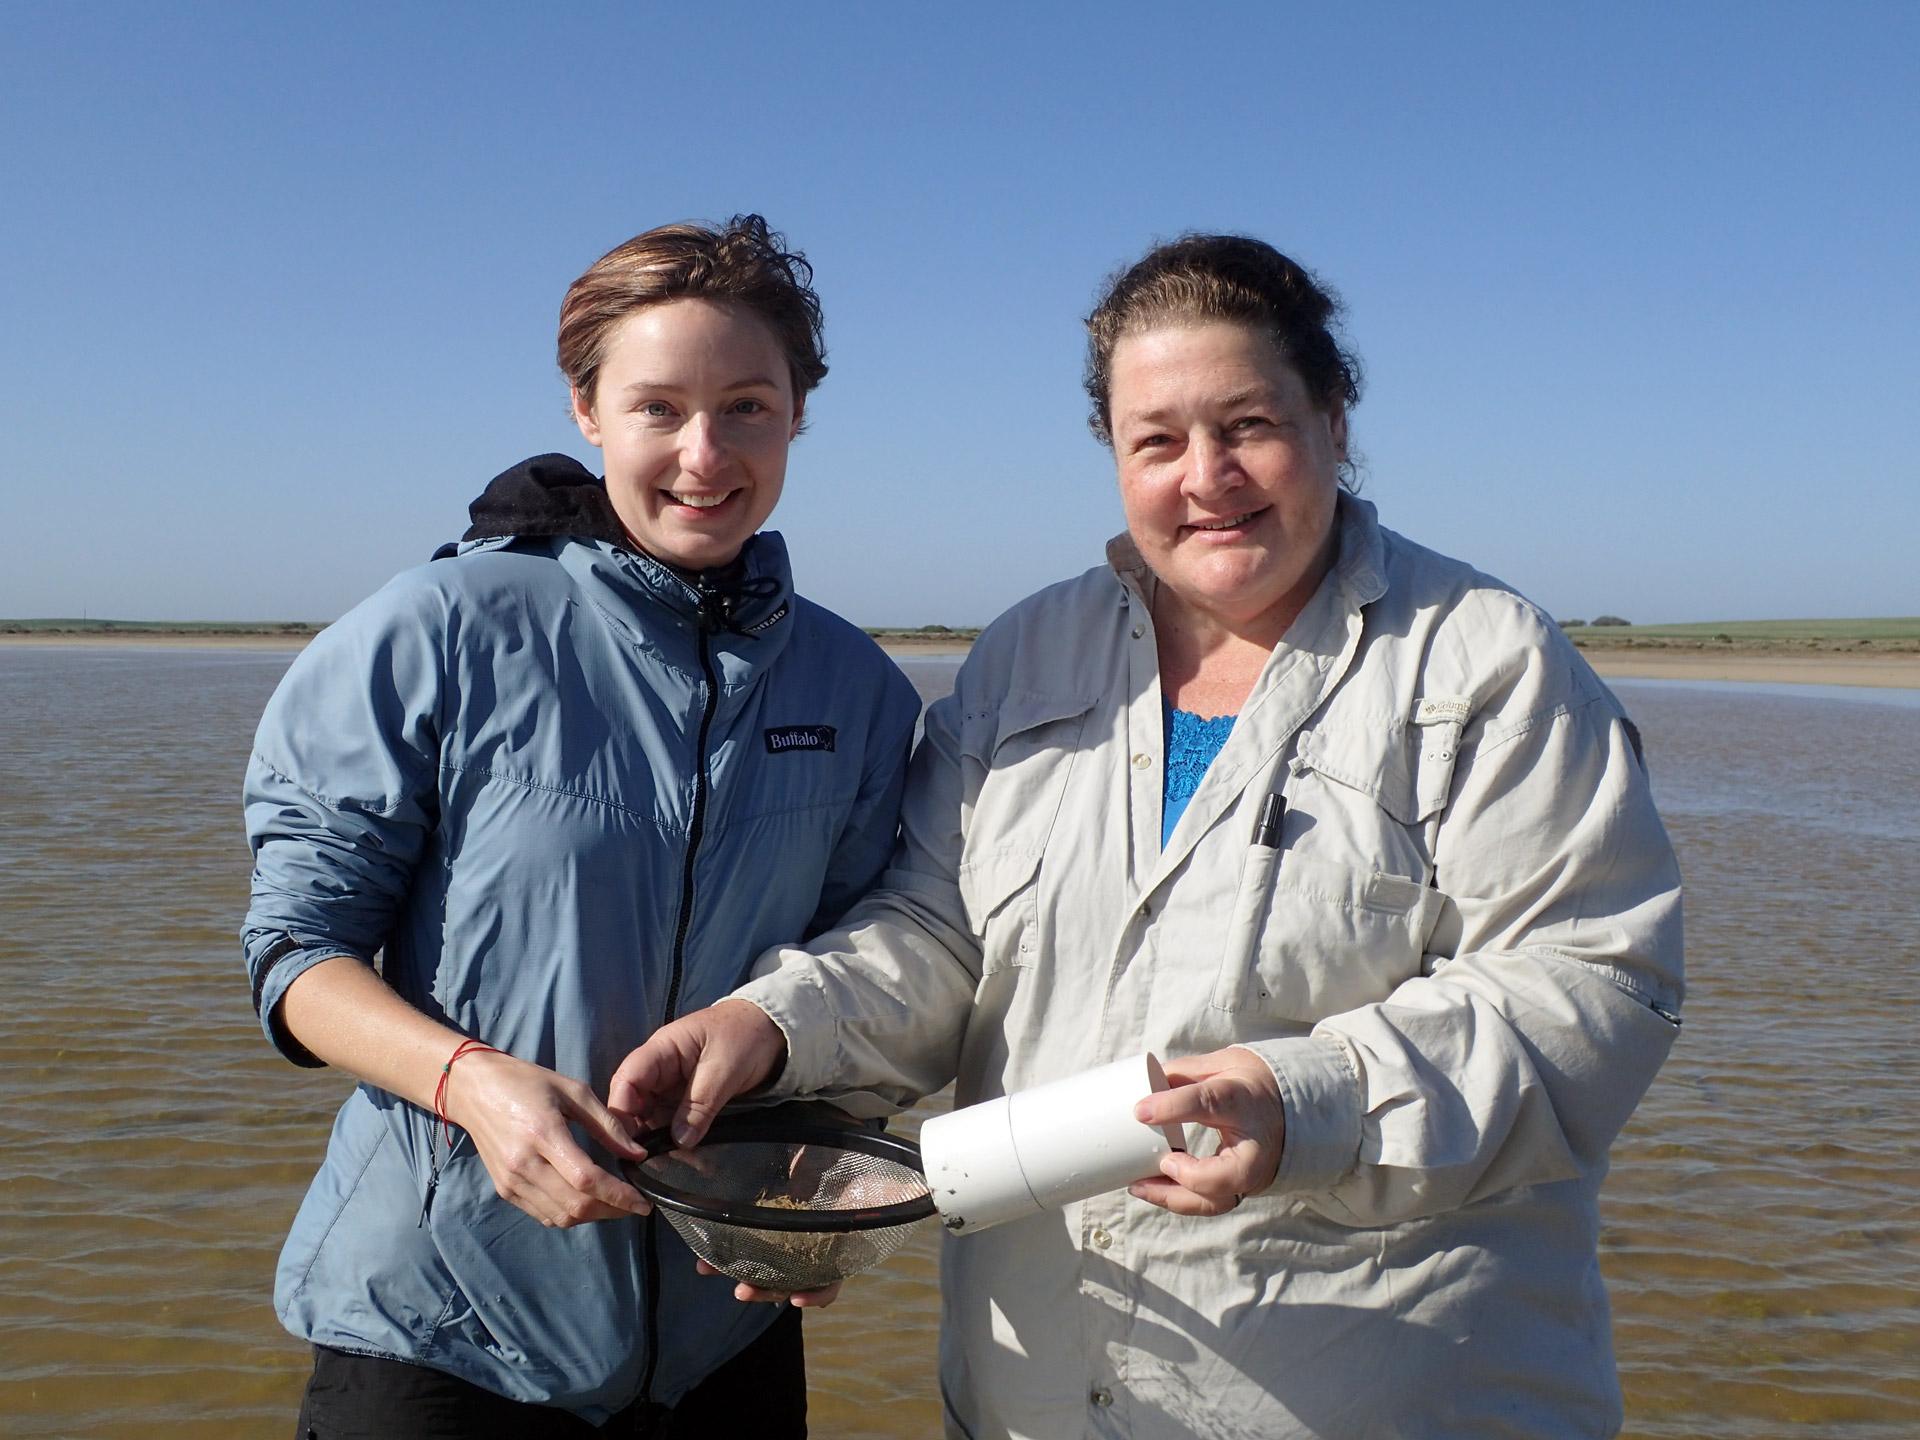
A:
(1637, 286)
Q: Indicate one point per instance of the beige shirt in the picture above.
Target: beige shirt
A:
(1463, 966)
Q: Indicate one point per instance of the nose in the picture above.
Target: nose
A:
(701, 451)
(1212, 469)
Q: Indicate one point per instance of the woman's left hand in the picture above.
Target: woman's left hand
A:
(804, 1299)
(1231, 1091)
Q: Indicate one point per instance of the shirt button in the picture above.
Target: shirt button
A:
(1101, 1240)
(1138, 631)
(1102, 1398)
(1146, 910)
(1142, 760)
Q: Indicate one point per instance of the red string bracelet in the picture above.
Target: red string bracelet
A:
(465, 1047)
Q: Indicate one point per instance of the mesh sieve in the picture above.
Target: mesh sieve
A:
(786, 1207)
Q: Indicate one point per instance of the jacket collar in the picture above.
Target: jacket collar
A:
(555, 496)
(739, 626)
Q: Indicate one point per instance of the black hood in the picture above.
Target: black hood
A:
(547, 495)
(557, 495)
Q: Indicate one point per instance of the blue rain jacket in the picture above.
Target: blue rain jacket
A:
(561, 807)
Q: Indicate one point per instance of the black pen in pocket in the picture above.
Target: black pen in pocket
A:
(1238, 984)
(1273, 815)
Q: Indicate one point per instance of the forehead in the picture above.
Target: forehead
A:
(1192, 364)
(692, 335)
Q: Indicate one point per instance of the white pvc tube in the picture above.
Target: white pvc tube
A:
(1044, 1148)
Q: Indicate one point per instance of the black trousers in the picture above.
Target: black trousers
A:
(761, 1392)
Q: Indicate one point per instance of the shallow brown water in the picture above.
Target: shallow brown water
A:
(1762, 1227)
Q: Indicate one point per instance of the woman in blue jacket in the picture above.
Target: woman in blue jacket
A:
(563, 782)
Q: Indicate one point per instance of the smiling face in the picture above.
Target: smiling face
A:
(693, 410)
(1228, 472)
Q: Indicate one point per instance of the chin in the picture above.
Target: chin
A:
(708, 555)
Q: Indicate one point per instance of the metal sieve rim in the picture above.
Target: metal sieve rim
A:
(747, 1130)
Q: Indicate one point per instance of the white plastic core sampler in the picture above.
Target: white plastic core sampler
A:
(1044, 1148)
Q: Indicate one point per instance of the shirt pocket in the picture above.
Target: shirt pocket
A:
(1324, 938)
(1340, 913)
(1024, 751)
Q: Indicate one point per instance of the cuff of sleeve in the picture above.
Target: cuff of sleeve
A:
(1320, 1090)
(794, 1001)
(281, 963)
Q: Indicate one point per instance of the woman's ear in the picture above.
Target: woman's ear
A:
(1337, 427)
(583, 417)
(799, 417)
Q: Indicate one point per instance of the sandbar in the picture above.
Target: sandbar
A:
(1885, 671)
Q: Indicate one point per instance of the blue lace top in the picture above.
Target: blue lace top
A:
(1192, 742)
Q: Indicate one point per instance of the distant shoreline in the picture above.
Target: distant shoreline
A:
(1765, 664)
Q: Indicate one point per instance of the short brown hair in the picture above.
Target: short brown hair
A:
(741, 262)
(1201, 278)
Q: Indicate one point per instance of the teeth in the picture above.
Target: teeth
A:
(1226, 524)
(699, 502)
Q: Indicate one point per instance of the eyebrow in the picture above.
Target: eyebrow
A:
(1243, 396)
(750, 382)
(1248, 395)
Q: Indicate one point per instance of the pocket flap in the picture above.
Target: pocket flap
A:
(1376, 764)
(1406, 767)
(986, 729)
(989, 882)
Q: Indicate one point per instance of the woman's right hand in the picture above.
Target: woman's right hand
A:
(518, 1113)
(686, 1072)
(519, 1117)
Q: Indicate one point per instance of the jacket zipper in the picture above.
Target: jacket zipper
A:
(696, 825)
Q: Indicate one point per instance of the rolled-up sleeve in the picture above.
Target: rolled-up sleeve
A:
(1554, 1001)
(340, 798)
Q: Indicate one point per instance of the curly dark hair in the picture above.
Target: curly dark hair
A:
(741, 262)
(1199, 278)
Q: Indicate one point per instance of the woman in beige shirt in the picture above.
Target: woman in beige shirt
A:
(1414, 935)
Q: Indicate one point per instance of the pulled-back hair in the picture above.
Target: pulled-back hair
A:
(740, 263)
(1198, 279)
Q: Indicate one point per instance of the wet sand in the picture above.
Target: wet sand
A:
(926, 649)
(217, 640)
(1782, 666)
(1759, 664)
(164, 640)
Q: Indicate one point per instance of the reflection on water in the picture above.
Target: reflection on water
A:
(1848, 694)
(1762, 1233)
